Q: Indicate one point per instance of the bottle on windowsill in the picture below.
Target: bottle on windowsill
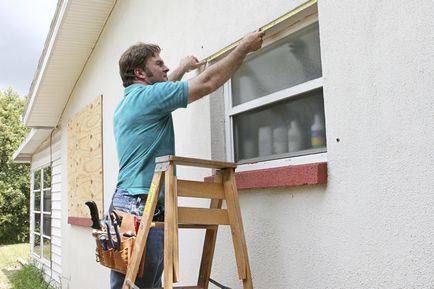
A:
(265, 141)
(295, 139)
(317, 132)
(280, 139)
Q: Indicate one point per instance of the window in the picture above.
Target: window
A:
(41, 216)
(275, 106)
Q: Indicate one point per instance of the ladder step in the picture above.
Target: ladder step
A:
(182, 287)
(195, 162)
(132, 285)
(200, 190)
(184, 226)
(196, 226)
(201, 216)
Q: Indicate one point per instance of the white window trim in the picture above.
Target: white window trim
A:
(283, 94)
(287, 93)
(39, 258)
(292, 161)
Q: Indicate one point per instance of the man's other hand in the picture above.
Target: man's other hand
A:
(190, 63)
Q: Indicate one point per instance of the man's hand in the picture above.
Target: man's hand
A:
(186, 64)
(252, 41)
(190, 63)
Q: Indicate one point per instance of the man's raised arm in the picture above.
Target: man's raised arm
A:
(217, 74)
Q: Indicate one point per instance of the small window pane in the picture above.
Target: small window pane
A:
(47, 225)
(291, 127)
(37, 222)
(37, 244)
(47, 249)
(47, 200)
(290, 61)
(37, 180)
(37, 201)
(47, 177)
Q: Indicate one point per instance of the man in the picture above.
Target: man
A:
(143, 129)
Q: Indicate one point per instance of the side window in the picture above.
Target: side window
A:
(275, 106)
(41, 216)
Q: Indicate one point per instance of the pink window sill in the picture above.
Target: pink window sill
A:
(288, 176)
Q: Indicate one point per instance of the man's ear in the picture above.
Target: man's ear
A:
(139, 74)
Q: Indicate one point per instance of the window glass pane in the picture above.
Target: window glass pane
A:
(47, 200)
(290, 61)
(287, 128)
(37, 222)
(37, 201)
(47, 249)
(37, 244)
(37, 180)
(47, 225)
(47, 177)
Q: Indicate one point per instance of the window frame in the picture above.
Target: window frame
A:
(307, 156)
(39, 256)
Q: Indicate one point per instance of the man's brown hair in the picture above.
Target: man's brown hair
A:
(135, 57)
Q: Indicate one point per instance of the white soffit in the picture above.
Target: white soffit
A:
(33, 140)
(74, 32)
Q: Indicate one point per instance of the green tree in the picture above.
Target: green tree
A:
(14, 177)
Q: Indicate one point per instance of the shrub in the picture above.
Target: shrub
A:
(14, 217)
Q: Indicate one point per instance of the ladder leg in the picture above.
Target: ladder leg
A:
(208, 251)
(143, 232)
(236, 224)
(169, 227)
(209, 243)
(175, 235)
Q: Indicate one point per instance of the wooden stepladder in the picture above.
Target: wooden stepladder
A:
(223, 189)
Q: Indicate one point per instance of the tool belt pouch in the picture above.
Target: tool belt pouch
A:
(118, 260)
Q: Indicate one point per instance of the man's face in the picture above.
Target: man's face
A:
(156, 70)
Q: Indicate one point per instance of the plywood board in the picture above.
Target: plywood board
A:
(85, 160)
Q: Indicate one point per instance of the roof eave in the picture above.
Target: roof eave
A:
(32, 142)
(74, 33)
(43, 60)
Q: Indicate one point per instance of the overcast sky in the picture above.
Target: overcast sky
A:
(24, 25)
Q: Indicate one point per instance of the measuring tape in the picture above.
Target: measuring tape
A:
(264, 28)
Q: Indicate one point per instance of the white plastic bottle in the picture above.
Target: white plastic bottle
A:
(249, 148)
(280, 139)
(265, 141)
(295, 139)
(317, 132)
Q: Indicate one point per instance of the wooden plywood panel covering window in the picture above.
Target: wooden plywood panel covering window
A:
(85, 161)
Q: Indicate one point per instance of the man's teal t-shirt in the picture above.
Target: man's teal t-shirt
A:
(143, 130)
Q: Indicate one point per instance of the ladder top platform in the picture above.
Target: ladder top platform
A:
(194, 162)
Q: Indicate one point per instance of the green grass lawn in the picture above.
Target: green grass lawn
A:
(8, 261)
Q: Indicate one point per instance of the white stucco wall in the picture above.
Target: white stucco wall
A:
(377, 58)
(371, 225)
